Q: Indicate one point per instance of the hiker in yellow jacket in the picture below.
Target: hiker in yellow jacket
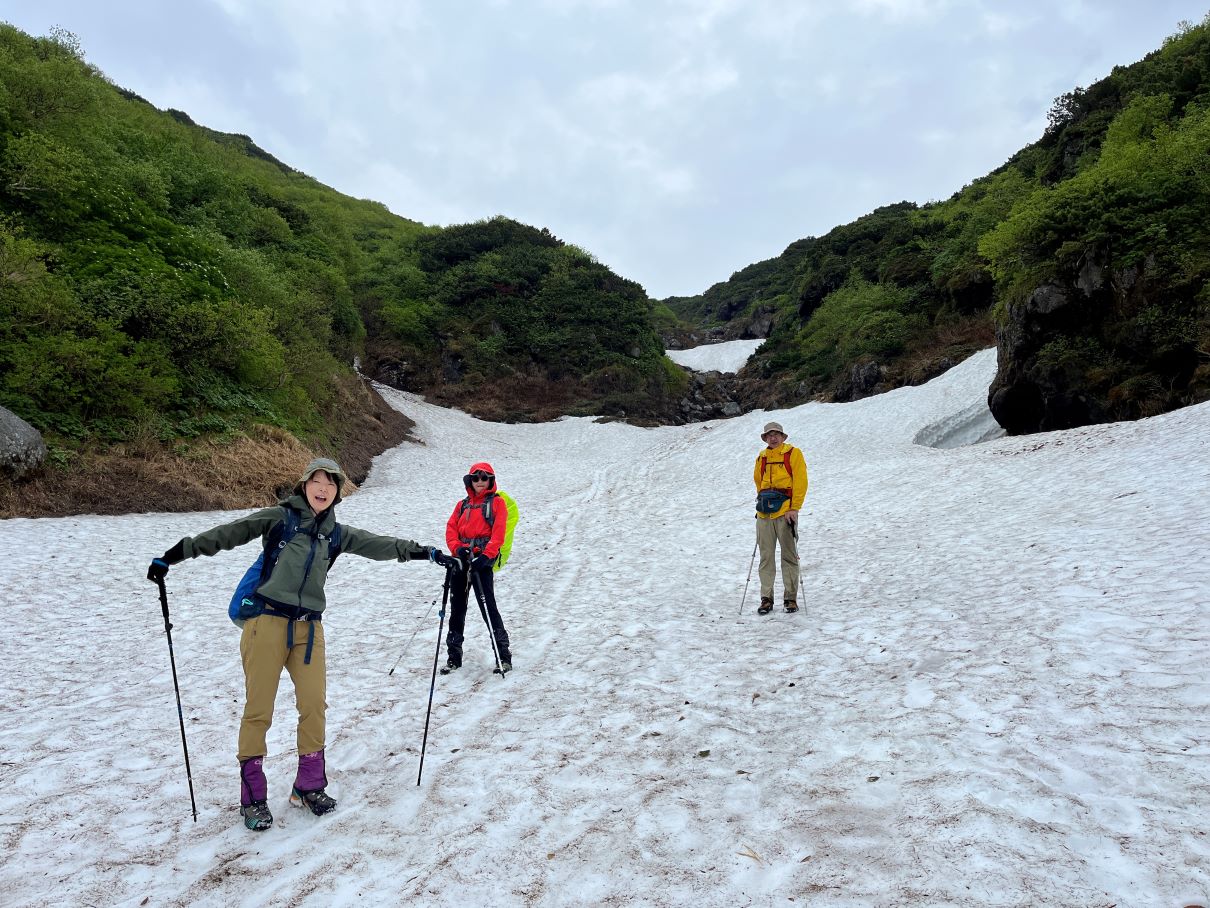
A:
(781, 485)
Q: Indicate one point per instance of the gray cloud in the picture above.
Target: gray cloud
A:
(676, 140)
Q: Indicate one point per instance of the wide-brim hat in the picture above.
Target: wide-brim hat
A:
(325, 465)
(772, 427)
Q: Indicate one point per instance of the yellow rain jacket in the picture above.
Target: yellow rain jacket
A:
(781, 468)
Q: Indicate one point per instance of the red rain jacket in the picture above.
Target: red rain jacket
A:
(468, 525)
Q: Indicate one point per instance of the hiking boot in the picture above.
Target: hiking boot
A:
(790, 605)
(449, 667)
(256, 815)
(318, 802)
(766, 605)
(504, 669)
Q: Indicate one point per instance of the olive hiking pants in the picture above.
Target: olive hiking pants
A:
(264, 652)
(770, 533)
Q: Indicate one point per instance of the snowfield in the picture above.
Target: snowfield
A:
(729, 356)
(997, 692)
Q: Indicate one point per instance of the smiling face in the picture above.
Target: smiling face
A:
(773, 439)
(321, 491)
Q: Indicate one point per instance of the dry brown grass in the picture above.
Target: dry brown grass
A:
(953, 342)
(254, 470)
(251, 471)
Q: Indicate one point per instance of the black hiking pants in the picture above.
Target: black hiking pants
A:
(459, 596)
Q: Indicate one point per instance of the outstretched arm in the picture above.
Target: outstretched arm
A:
(218, 539)
(382, 548)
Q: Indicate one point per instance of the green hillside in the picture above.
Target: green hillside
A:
(159, 280)
(1109, 207)
(169, 289)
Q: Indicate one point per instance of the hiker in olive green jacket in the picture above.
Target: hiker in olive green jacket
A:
(283, 628)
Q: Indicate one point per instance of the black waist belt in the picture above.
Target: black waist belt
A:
(294, 613)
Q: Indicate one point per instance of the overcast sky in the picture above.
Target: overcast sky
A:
(676, 140)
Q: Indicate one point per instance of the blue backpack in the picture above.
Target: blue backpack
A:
(245, 604)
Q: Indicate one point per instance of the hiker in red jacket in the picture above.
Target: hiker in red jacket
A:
(474, 534)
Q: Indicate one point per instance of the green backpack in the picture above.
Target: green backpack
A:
(506, 547)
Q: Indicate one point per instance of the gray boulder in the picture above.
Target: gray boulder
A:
(22, 449)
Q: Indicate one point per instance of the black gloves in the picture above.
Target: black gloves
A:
(159, 566)
(479, 562)
(443, 559)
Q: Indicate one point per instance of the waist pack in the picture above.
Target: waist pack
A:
(245, 603)
(770, 501)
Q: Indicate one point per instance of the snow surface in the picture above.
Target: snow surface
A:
(728, 356)
(969, 426)
(996, 692)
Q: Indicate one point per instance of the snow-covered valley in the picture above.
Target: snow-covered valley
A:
(996, 693)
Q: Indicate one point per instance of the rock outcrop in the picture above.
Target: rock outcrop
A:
(1101, 345)
(710, 395)
(22, 450)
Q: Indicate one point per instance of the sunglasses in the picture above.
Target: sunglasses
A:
(480, 477)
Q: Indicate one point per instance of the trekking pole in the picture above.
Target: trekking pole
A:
(491, 633)
(433, 684)
(179, 713)
(749, 580)
(408, 645)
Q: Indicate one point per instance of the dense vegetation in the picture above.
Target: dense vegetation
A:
(1117, 184)
(162, 280)
(531, 327)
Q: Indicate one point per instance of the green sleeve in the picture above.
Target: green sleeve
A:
(355, 541)
(237, 532)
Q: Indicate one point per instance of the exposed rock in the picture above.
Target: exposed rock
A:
(397, 373)
(451, 368)
(761, 325)
(1100, 345)
(22, 450)
(1032, 393)
(710, 395)
(863, 380)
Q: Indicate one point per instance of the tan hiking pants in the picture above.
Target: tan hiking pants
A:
(771, 533)
(263, 650)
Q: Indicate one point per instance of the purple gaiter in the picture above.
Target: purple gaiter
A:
(253, 785)
(311, 776)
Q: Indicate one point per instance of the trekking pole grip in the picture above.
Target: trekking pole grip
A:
(164, 603)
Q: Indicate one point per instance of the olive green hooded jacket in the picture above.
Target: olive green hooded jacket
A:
(302, 567)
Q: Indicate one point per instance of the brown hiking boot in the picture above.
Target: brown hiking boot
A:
(790, 605)
(766, 605)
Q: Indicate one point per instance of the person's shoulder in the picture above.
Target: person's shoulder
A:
(274, 511)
